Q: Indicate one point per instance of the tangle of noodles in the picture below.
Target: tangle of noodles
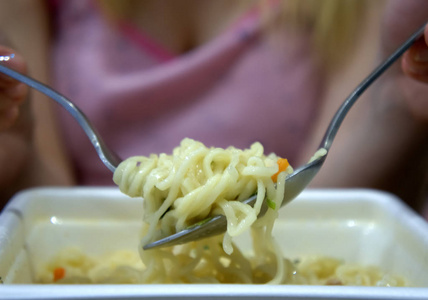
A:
(195, 182)
(186, 187)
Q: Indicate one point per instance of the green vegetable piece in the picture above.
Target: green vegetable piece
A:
(271, 204)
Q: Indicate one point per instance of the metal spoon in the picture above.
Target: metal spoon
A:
(302, 176)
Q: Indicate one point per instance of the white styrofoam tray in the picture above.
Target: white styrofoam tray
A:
(363, 226)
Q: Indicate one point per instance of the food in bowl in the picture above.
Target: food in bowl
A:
(208, 263)
(193, 183)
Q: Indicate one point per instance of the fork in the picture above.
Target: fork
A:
(297, 181)
(110, 159)
(294, 182)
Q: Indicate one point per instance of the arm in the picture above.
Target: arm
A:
(382, 142)
(31, 152)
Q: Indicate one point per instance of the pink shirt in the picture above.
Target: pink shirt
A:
(241, 87)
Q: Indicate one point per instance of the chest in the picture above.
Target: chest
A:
(239, 88)
(181, 26)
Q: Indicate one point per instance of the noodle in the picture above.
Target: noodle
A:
(193, 183)
(208, 263)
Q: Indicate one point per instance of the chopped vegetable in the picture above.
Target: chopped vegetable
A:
(58, 273)
(282, 166)
(271, 204)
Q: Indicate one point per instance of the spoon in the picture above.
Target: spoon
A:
(297, 181)
(294, 182)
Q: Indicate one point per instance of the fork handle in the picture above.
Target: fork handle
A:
(109, 158)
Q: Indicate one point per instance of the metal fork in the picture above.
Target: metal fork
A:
(302, 176)
(110, 159)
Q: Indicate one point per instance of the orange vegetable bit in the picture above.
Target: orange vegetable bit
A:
(283, 165)
(58, 273)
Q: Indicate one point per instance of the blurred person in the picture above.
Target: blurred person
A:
(149, 73)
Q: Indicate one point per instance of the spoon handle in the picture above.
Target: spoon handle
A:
(302, 176)
(109, 158)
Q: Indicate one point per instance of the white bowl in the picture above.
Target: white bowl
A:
(362, 226)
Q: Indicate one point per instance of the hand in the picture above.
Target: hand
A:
(400, 101)
(12, 92)
(411, 77)
(415, 61)
(415, 65)
(382, 143)
(16, 146)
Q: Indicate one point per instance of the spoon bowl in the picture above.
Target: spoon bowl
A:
(297, 181)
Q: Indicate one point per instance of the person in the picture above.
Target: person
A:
(149, 73)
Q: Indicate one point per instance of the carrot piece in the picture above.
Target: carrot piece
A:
(282, 164)
(58, 273)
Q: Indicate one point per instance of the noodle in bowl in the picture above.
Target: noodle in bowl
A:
(188, 186)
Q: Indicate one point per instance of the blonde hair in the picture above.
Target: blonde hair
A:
(115, 8)
(332, 24)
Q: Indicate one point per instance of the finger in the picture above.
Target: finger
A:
(8, 117)
(13, 60)
(17, 92)
(12, 92)
(9, 111)
(415, 61)
(14, 96)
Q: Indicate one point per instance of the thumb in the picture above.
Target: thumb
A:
(415, 61)
(12, 92)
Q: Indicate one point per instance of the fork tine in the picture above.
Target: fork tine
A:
(206, 228)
